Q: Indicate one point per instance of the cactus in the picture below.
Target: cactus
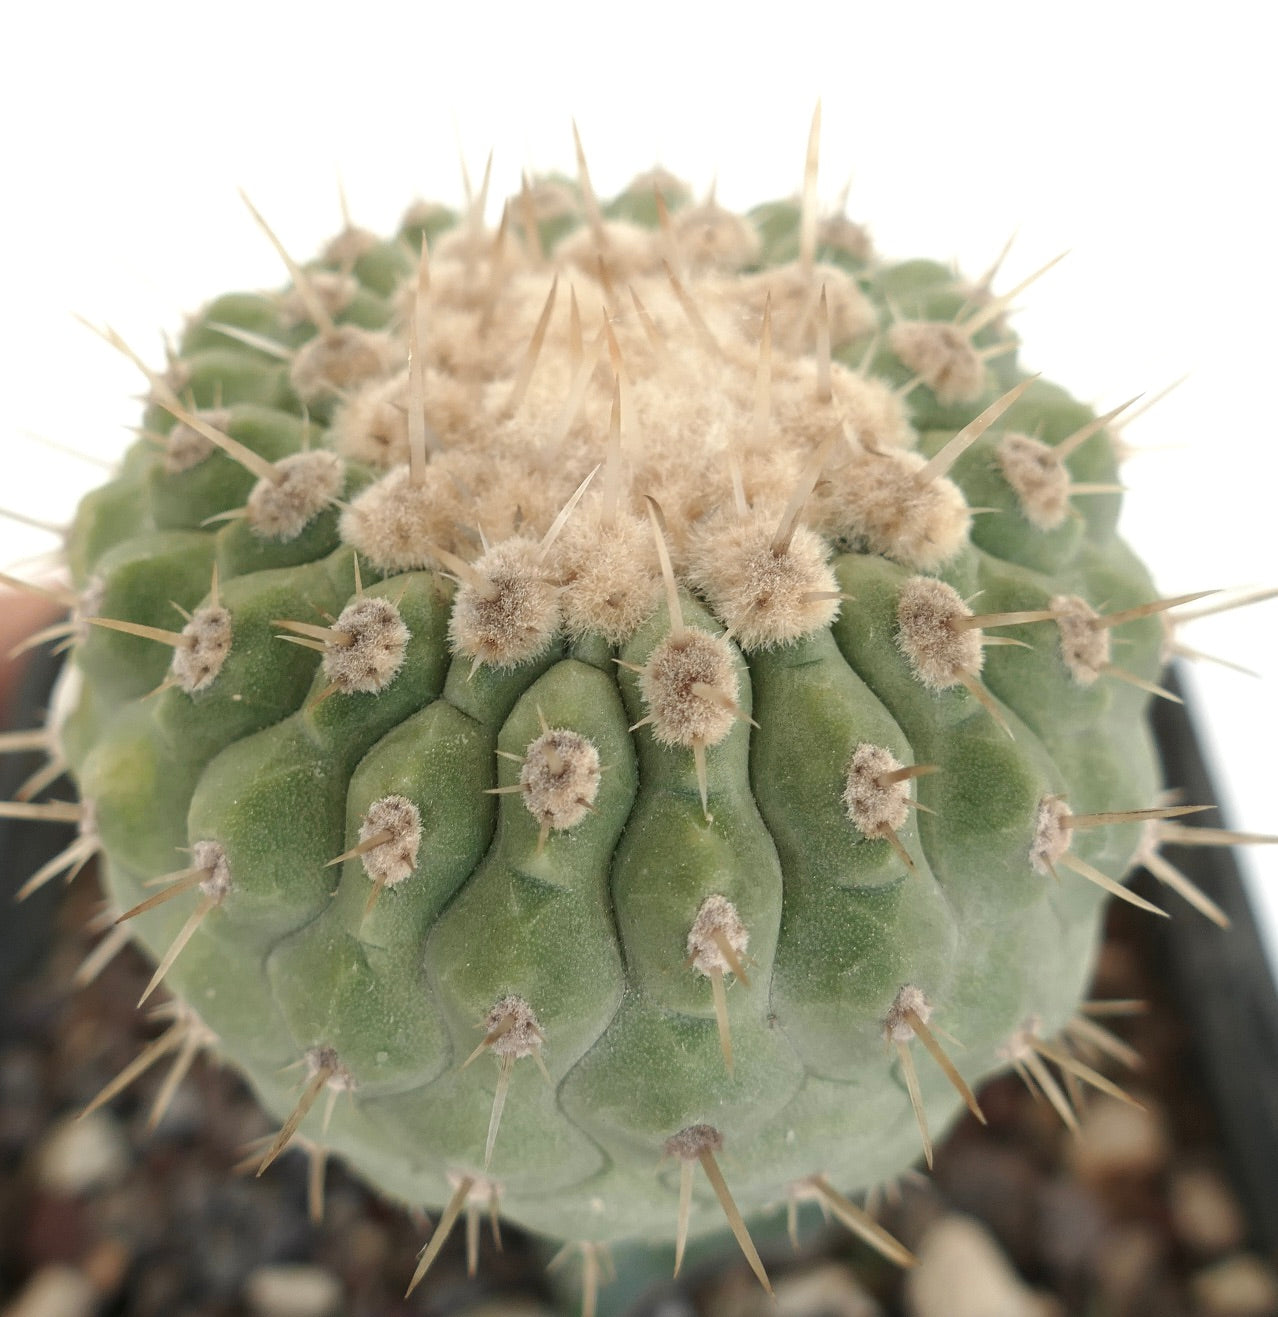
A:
(585, 716)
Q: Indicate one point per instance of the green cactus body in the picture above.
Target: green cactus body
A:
(465, 801)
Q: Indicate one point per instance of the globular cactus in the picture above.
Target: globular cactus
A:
(588, 716)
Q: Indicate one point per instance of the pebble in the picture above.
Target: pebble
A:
(1205, 1213)
(827, 1291)
(80, 1156)
(1130, 1260)
(963, 1273)
(296, 1290)
(1119, 1141)
(1240, 1286)
(824, 1290)
(54, 1291)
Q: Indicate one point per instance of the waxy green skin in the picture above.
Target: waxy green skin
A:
(591, 929)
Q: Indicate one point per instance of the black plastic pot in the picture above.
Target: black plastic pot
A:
(1226, 988)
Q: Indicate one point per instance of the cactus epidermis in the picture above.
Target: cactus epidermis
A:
(641, 678)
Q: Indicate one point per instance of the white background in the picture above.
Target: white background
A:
(1139, 136)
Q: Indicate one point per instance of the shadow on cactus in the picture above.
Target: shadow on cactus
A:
(624, 720)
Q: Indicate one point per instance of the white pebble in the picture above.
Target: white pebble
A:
(1118, 1140)
(54, 1291)
(829, 1291)
(79, 1156)
(292, 1291)
(1240, 1286)
(962, 1272)
(1205, 1214)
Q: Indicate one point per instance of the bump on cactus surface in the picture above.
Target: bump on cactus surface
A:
(587, 715)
